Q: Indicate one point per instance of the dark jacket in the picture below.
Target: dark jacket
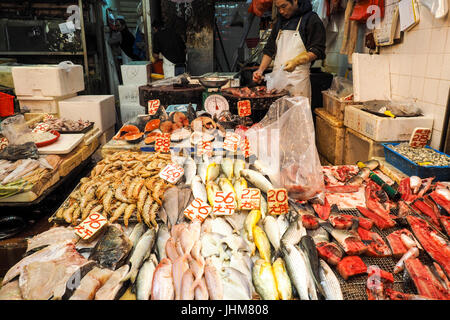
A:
(168, 42)
(311, 30)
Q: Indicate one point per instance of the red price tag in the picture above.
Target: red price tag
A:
(420, 137)
(277, 201)
(250, 199)
(204, 147)
(171, 173)
(231, 142)
(245, 147)
(244, 108)
(90, 226)
(224, 203)
(197, 210)
(162, 143)
(153, 106)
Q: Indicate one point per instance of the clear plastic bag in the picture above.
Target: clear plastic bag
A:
(284, 141)
(13, 128)
(399, 108)
(341, 88)
(280, 80)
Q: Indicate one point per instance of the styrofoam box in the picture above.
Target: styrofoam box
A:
(42, 104)
(383, 128)
(47, 80)
(97, 108)
(129, 111)
(129, 94)
(136, 72)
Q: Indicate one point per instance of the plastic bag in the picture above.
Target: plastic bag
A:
(438, 8)
(280, 80)
(284, 141)
(13, 128)
(404, 108)
(341, 88)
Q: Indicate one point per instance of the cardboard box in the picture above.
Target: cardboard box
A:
(330, 137)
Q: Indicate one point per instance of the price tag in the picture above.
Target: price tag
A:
(245, 147)
(162, 143)
(244, 108)
(420, 137)
(48, 117)
(41, 127)
(153, 106)
(90, 226)
(3, 143)
(224, 203)
(171, 173)
(231, 142)
(277, 201)
(204, 147)
(250, 199)
(197, 210)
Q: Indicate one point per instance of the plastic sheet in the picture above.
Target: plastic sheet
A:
(284, 141)
(341, 87)
(280, 80)
(13, 128)
(405, 108)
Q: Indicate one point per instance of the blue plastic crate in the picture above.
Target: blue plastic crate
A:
(441, 173)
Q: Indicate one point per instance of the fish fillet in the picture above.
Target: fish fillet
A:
(90, 284)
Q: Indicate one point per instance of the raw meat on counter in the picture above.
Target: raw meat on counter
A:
(350, 266)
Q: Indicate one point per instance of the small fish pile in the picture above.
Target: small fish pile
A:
(64, 125)
(422, 155)
(122, 184)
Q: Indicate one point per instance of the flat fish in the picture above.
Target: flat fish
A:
(113, 287)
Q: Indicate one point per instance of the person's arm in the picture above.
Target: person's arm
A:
(265, 62)
(269, 52)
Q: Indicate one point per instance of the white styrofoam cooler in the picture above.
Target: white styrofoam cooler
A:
(136, 72)
(383, 128)
(47, 80)
(129, 111)
(129, 94)
(37, 104)
(97, 108)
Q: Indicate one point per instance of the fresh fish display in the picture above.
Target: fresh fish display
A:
(141, 252)
(262, 243)
(199, 189)
(411, 253)
(323, 211)
(376, 247)
(91, 283)
(380, 222)
(319, 235)
(238, 165)
(397, 243)
(349, 240)
(329, 282)
(272, 231)
(294, 233)
(283, 283)
(113, 287)
(350, 266)
(330, 252)
(53, 235)
(432, 215)
(190, 170)
(309, 249)
(264, 280)
(257, 179)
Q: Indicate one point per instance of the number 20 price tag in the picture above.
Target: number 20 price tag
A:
(171, 173)
(197, 210)
(162, 142)
(277, 201)
(90, 226)
(250, 199)
(224, 203)
(153, 106)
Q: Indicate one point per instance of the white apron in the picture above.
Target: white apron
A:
(289, 45)
(168, 68)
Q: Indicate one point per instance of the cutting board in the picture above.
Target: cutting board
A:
(65, 144)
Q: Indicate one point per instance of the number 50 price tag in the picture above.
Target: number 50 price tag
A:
(197, 210)
(171, 173)
(277, 201)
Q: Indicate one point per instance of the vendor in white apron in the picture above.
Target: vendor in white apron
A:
(296, 41)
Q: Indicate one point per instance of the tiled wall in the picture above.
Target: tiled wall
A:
(420, 67)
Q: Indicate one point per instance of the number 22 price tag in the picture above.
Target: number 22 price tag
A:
(153, 106)
(277, 201)
(197, 210)
(171, 173)
(90, 226)
(250, 199)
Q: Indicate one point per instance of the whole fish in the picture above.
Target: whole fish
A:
(162, 284)
(236, 286)
(239, 185)
(201, 170)
(263, 206)
(145, 278)
(114, 285)
(162, 237)
(273, 233)
(329, 282)
(294, 232)
(141, 252)
(283, 224)
(213, 281)
(349, 240)
(309, 249)
(252, 219)
(297, 270)
(190, 170)
(264, 280)
(199, 189)
(262, 243)
(137, 232)
(227, 168)
(261, 167)
(227, 187)
(257, 179)
(238, 165)
(170, 204)
(319, 235)
(359, 178)
(284, 286)
(212, 172)
(211, 189)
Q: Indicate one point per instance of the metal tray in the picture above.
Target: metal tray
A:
(88, 128)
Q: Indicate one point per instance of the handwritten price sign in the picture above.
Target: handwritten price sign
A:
(244, 108)
(204, 147)
(171, 173)
(197, 210)
(420, 137)
(224, 203)
(90, 226)
(250, 199)
(245, 147)
(153, 106)
(162, 142)
(277, 201)
(232, 141)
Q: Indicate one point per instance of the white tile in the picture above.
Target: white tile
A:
(394, 84)
(406, 64)
(403, 85)
(445, 72)
(427, 108)
(394, 63)
(419, 65)
(434, 65)
(438, 38)
(443, 93)
(423, 38)
(439, 23)
(430, 90)
(436, 139)
(439, 114)
(416, 88)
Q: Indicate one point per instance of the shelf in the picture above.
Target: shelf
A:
(39, 53)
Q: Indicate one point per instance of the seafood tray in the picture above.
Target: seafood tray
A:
(88, 128)
(441, 173)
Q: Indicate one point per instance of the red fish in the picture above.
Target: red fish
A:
(426, 283)
(405, 190)
(424, 208)
(445, 222)
(330, 252)
(323, 211)
(437, 247)
(341, 221)
(376, 247)
(365, 223)
(350, 266)
(380, 222)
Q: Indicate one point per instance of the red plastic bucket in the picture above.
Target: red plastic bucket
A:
(6, 105)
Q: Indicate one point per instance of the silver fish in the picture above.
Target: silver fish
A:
(294, 233)
(227, 168)
(199, 189)
(163, 236)
(145, 278)
(330, 282)
(273, 232)
(141, 252)
(319, 235)
(137, 232)
(264, 280)
(190, 170)
(261, 167)
(238, 165)
(201, 170)
(257, 179)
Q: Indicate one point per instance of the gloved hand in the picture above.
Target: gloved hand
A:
(302, 58)
(258, 76)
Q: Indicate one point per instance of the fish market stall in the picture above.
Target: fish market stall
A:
(168, 224)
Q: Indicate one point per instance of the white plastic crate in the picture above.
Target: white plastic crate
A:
(129, 94)
(47, 80)
(129, 111)
(136, 73)
(41, 104)
(97, 108)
